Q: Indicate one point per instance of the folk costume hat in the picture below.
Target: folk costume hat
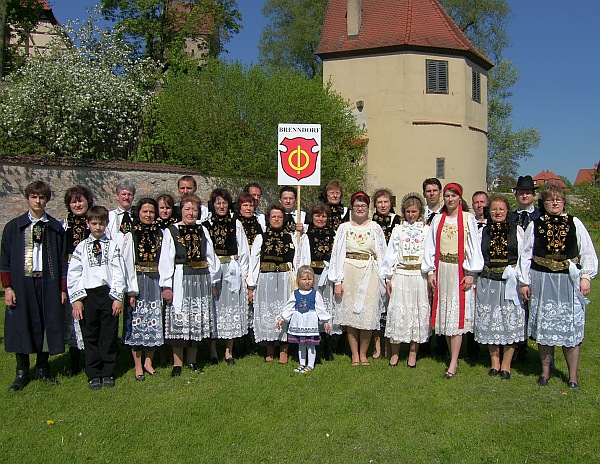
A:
(417, 197)
(525, 183)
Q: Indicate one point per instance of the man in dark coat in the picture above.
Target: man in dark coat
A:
(33, 268)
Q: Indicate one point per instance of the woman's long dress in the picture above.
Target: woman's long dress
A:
(272, 274)
(557, 252)
(355, 262)
(229, 317)
(499, 313)
(76, 230)
(143, 325)
(447, 320)
(320, 245)
(252, 226)
(188, 265)
(408, 313)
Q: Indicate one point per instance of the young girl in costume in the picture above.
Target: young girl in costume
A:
(303, 311)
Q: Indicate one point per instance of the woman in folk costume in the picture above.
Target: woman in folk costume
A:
(556, 267)
(386, 217)
(320, 236)
(499, 314)
(229, 317)
(253, 225)
(271, 280)
(408, 313)
(452, 259)
(188, 268)
(78, 200)
(332, 197)
(164, 216)
(143, 316)
(356, 259)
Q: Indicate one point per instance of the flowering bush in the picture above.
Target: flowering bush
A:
(83, 101)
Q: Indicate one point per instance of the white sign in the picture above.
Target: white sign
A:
(299, 154)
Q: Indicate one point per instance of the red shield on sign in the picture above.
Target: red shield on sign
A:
(299, 161)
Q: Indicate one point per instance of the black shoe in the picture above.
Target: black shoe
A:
(43, 374)
(230, 361)
(193, 366)
(493, 372)
(95, 383)
(572, 385)
(504, 375)
(176, 372)
(21, 380)
(542, 381)
(414, 366)
(140, 377)
(213, 360)
(330, 357)
(108, 382)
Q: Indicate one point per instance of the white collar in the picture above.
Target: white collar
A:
(33, 220)
(529, 210)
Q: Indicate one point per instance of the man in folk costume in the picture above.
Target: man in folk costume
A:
(120, 219)
(33, 265)
(432, 192)
(526, 212)
(187, 185)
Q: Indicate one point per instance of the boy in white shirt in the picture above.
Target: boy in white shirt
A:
(96, 283)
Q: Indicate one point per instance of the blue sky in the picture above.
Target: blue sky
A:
(554, 46)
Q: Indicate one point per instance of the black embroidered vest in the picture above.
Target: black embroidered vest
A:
(499, 247)
(76, 232)
(277, 247)
(222, 233)
(555, 238)
(387, 224)
(147, 240)
(190, 243)
(251, 227)
(337, 216)
(321, 244)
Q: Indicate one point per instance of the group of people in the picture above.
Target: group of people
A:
(183, 273)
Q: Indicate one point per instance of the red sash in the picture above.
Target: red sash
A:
(461, 271)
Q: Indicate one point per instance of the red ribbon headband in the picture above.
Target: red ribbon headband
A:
(456, 187)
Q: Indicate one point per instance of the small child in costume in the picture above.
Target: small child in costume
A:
(303, 311)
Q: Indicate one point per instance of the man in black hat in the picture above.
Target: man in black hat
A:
(526, 212)
(525, 196)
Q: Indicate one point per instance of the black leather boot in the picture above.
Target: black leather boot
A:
(22, 377)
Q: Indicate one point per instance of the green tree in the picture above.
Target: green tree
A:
(484, 22)
(223, 120)
(292, 34)
(586, 205)
(20, 17)
(158, 28)
(81, 102)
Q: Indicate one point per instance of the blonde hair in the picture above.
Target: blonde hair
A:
(305, 270)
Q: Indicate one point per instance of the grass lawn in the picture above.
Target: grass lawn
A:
(256, 412)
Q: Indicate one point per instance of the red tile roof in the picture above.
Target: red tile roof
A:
(395, 25)
(585, 176)
(201, 24)
(547, 177)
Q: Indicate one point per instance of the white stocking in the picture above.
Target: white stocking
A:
(302, 355)
(312, 355)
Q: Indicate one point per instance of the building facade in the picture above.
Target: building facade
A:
(418, 86)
